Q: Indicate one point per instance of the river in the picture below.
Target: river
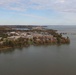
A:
(40, 60)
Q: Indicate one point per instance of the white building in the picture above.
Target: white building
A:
(13, 37)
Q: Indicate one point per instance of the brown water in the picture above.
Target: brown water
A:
(40, 60)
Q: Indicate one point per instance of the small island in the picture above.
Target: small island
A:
(22, 36)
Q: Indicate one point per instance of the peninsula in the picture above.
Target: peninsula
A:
(21, 36)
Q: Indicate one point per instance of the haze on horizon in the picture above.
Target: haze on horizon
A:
(37, 12)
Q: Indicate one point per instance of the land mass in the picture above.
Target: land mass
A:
(22, 36)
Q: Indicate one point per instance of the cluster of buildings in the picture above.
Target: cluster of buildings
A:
(29, 35)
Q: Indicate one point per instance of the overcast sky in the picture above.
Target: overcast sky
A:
(38, 12)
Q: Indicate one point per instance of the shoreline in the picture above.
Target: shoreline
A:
(7, 48)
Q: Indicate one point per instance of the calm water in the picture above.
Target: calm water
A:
(40, 60)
